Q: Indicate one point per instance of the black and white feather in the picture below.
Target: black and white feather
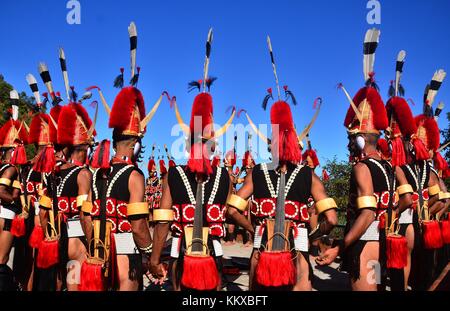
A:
(32, 82)
(399, 90)
(132, 32)
(207, 57)
(438, 110)
(370, 46)
(45, 76)
(14, 97)
(434, 86)
(63, 64)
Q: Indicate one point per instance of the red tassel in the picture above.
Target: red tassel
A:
(162, 167)
(46, 161)
(398, 152)
(420, 150)
(275, 269)
(439, 162)
(432, 237)
(199, 159)
(216, 161)
(396, 251)
(445, 230)
(91, 277)
(18, 228)
(325, 176)
(19, 156)
(382, 223)
(172, 163)
(36, 237)
(48, 254)
(101, 155)
(200, 273)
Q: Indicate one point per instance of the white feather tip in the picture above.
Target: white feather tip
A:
(401, 56)
(439, 75)
(42, 67)
(62, 55)
(31, 79)
(372, 35)
(132, 30)
(13, 94)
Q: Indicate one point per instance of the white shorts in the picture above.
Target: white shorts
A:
(125, 244)
(372, 233)
(406, 217)
(6, 213)
(74, 229)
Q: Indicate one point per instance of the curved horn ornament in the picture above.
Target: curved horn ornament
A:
(308, 128)
(152, 112)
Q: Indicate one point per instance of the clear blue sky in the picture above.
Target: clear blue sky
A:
(316, 44)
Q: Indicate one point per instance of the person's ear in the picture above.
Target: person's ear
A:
(360, 142)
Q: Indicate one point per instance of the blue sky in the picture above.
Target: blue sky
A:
(317, 44)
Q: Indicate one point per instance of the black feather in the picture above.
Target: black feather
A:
(134, 80)
(391, 92)
(118, 81)
(56, 101)
(371, 83)
(73, 95)
(266, 100)
(210, 82)
(291, 95)
(401, 90)
(194, 85)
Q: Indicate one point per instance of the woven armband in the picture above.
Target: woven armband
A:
(80, 199)
(433, 190)
(5, 181)
(237, 202)
(443, 196)
(325, 205)
(162, 215)
(45, 202)
(86, 207)
(404, 189)
(366, 202)
(16, 185)
(140, 208)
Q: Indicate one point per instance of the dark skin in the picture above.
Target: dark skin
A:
(7, 195)
(434, 204)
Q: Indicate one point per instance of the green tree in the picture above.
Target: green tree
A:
(24, 108)
(338, 187)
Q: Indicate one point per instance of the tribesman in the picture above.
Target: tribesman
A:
(280, 192)
(67, 189)
(373, 184)
(153, 187)
(432, 193)
(13, 136)
(401, 138)
(194, 197)
(229, 162)
(42, 136)
(120, 234)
